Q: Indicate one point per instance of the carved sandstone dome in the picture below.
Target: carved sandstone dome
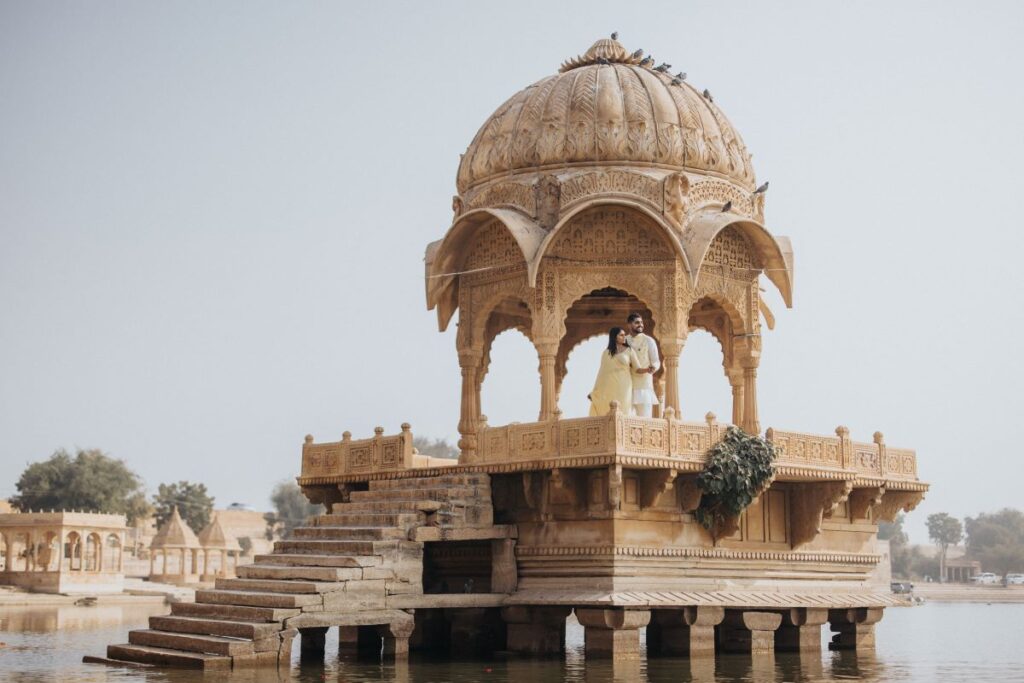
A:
(606, 107)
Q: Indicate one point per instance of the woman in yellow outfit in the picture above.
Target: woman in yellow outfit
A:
(615, 377)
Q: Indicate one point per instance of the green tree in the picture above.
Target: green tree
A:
(438, 448)
(944, 530)
(900, 553)
(290, 509)
(997, 540)
(194, 505)
(91, 481)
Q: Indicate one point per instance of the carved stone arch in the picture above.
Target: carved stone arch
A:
(641, 283)
(574, 335)
(775, 253)
(657, 221)
(486, 299)
(497, 322)
(718, 315)
(733, 325)
(565, 348)
(446, 260)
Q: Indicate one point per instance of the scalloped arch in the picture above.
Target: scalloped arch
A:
(533, 267)
(776, 252)
(444, 259)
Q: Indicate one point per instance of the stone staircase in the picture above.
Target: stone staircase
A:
(338, 570)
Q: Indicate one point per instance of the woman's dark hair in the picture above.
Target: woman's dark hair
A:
(613, 345)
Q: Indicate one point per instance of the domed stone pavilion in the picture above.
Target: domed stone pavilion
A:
(606, 188)
(609, 187)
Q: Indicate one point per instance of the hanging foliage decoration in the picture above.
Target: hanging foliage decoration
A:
(739, 470)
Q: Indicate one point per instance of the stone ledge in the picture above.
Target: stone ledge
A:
(759, 600)
(359, 618)
(497, 531)
(711, 553)
(442, 600)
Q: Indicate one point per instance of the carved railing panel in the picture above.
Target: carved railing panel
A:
(807, 450)
(867, 460)
(646, 442)
(363, 456)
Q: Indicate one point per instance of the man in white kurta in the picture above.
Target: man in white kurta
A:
(644, 398)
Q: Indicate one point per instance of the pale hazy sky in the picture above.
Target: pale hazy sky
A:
(213, 217)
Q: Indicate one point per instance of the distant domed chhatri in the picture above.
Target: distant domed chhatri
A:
(608, 106)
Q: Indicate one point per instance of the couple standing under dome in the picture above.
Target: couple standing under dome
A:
(627, 371)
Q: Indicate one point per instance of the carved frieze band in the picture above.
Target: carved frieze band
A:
(673, 195)
(718, 193)
(587, 185)
(519, 195)
(696, 552)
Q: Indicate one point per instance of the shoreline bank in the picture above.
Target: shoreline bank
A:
(938, 592)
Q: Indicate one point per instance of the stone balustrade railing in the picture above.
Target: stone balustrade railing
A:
(874, 460)
(362, 456)
(643, 442)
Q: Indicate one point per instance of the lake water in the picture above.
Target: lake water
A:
(934, 642)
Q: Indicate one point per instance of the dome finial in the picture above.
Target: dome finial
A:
(604, 51)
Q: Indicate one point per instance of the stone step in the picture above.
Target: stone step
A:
(191, 642)
(405, 519)
(233, 612)
(465, 493)
(319, 547)
(255, 599)
(269, 571)
(278, 586)
(389, 506)
(160, 655)
(351, 533)
(304, 560)
(215, 627)
(466, 479)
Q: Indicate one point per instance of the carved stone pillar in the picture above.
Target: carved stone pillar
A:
(504, 570)
(612, 633)
(737, 383)
(671, 349)
(751, 632)
(801, 630)
(312, 643)
(702, 622)
(396, 638)
(348, 639)
(470, 408)
(535, 630)
(853, 629)
(750, 423)
(686, 632)
(548, 391)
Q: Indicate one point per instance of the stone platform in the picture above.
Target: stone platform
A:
(418, 562)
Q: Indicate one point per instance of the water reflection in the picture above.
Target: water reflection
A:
(919, 644)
